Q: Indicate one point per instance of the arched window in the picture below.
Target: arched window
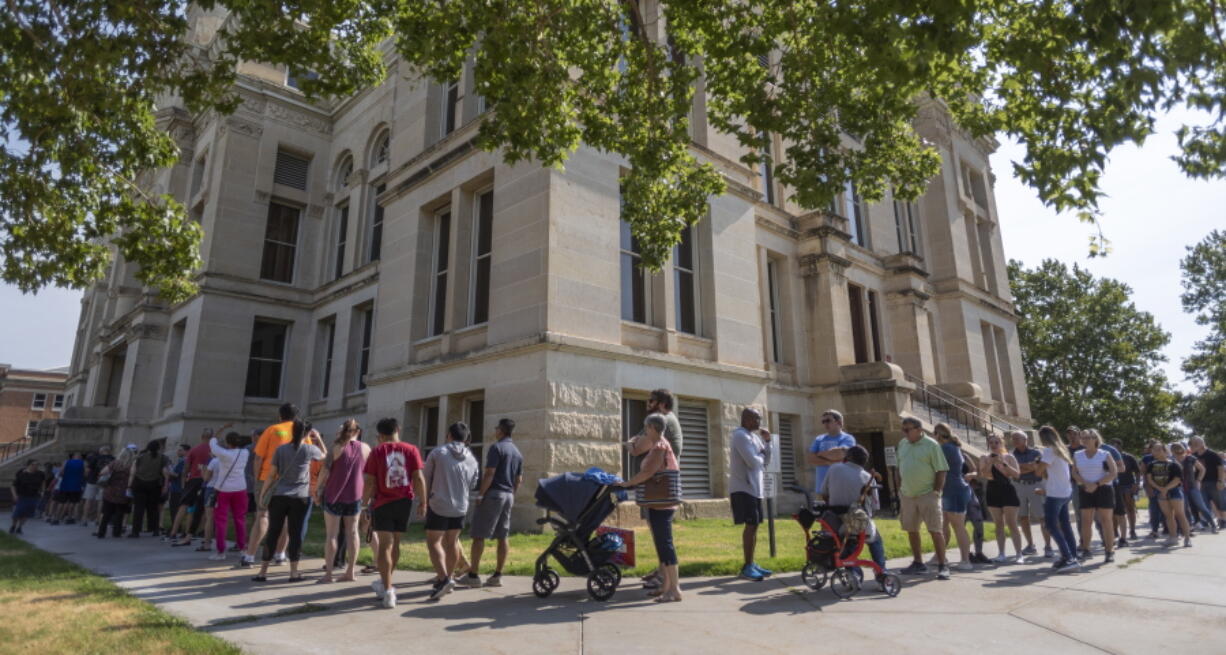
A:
(381, 151)
(343, 172)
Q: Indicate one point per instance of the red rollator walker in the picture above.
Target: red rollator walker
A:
(833, 554)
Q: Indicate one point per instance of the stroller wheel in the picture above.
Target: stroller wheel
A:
(891, 584)
(615, 572)
(814, 575)
(545, 582)
(601, 585)
(844, 583)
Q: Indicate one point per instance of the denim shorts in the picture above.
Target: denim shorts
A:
(956, 501)
(343, 509)
(1175, 494)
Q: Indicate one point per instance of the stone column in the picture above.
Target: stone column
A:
(906, 298)
(823, 245)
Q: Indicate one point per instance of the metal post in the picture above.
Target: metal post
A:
(770, 521)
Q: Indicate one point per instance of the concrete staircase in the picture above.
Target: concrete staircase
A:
(969, 423)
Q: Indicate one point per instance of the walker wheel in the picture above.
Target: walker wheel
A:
(844, 583)
(814, 575)
(891, 584)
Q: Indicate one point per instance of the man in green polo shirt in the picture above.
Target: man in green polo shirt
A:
(922, 467)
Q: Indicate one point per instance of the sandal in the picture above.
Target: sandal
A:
(260, 578)
(668, 599)
(655, 593)
(324, 581)
(369, 570)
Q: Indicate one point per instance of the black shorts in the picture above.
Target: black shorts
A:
(1102, 498)
(746, 508)
(1002, 494)
(1121, 507)
(68, 497)
(191, 493)
(392, 517)
(443, 523)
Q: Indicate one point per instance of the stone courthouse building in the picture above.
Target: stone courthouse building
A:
(363, 259)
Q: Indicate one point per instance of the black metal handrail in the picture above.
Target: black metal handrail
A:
(16, 448)
(969, 419)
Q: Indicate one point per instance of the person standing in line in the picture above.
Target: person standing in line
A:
(175, 488)
(92, 497)
(71, 488)
(1126, 496)
(148, 476)
(955, 495)
(1055, 465)
(451, 474)
(46, 504)
(660, 457)
(1193, 503)
(115, 500)
(999, 468)
(211, 474)
(230, 491)
(1213, 485)
(1166, 477)
(289, 485)
(830, 448)
(392, 477)
(1095, 470)
(922, 469)
(752, 450)
(1030, 501)
(339, 492)
(1157, 521)
(504, 472)
(27, 488)
(271, 439)
(186, 523)
(975, 512)
(660, 402)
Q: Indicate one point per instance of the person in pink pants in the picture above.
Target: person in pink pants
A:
(231, 489)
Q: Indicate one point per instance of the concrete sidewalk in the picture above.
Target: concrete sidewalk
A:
(1152, 600)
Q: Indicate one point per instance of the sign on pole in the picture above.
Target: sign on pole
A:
(891, 456)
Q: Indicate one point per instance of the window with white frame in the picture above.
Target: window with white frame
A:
(58, 403)
(280, 243)
(854, 212)
(906, 223)
(438, 295)
(685, 268)
(451, 107)
(634, 280)
(483, 225)
(776, 319)
(31, 428)
(40, 401)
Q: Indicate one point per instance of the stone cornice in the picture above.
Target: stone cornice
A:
(775, 227)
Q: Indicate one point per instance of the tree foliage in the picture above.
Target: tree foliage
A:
(1070, 79)
(1204, 294)
(1091, 357)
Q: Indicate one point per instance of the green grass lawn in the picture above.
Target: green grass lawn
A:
(704, 547)
(41, 594)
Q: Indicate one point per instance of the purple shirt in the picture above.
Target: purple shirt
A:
(345, 483)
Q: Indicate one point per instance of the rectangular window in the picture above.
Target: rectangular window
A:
(368, 324)
(853, 211)
(985, 256)
(865, 328)
(772, 292)
(451, 107)
(906, 223)
(766, 172)
(58, 404)
(293, 77)
(438, 300)
(31, 428)
(429, 429)
(174, 352)
(482, 247)
(376, 226)
(874, 329)
(342, 235)
(291, 170)
(476, 426)
(198, 176)
(328, 329)
(40, 401)
(280, 243)
(633, 277)
(684, 266)
(266, 359)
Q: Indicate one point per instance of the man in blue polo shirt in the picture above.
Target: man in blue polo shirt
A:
(828, 449)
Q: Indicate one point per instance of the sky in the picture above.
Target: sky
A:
(1150, 215)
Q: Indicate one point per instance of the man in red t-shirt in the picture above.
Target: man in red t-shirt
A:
(393, 477)
(193, 488)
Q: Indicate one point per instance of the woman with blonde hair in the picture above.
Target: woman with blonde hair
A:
(1055, 465)
(956, 494)
(1165, 476)
(340, 489)
(998, 468)
(114, 482)
(1094, 470)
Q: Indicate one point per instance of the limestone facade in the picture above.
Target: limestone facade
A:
(362, 258)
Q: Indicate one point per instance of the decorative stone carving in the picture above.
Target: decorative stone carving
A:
(252, 104)
(299, 119)
(246, 128)
(809, 264)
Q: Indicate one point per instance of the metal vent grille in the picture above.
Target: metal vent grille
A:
(695, 451)
(291, 170)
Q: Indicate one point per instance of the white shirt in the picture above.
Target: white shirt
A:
(1059, 482)
(1091, 469)
(233, 460)
(748, 463)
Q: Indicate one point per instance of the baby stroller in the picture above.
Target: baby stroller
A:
(582, 501)
(833, 554)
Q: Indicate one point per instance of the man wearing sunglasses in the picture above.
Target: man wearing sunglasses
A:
(828, 449)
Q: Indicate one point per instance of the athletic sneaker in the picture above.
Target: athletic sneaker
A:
(1132, 534)
(942, 572)
(1121, 543)
(1001, 559)
(1084, 555)
(915, 568)
(1109, 558)
(1187, 542)
(218, 557)
(1059, 563)
(766, 573)
(442, 589)
(980, 558)
(1019, 560)
(380, 592)
(389, 599)
(1030, 550)
(750, 573)
(246, 561)
(1069, 567)
(1171, 541)
(472, 581)
(1048, 553)
(494, 580)
(964, 566)
(279, 559)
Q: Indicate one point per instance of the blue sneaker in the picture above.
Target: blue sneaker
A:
(766, 573)
(751, 573)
